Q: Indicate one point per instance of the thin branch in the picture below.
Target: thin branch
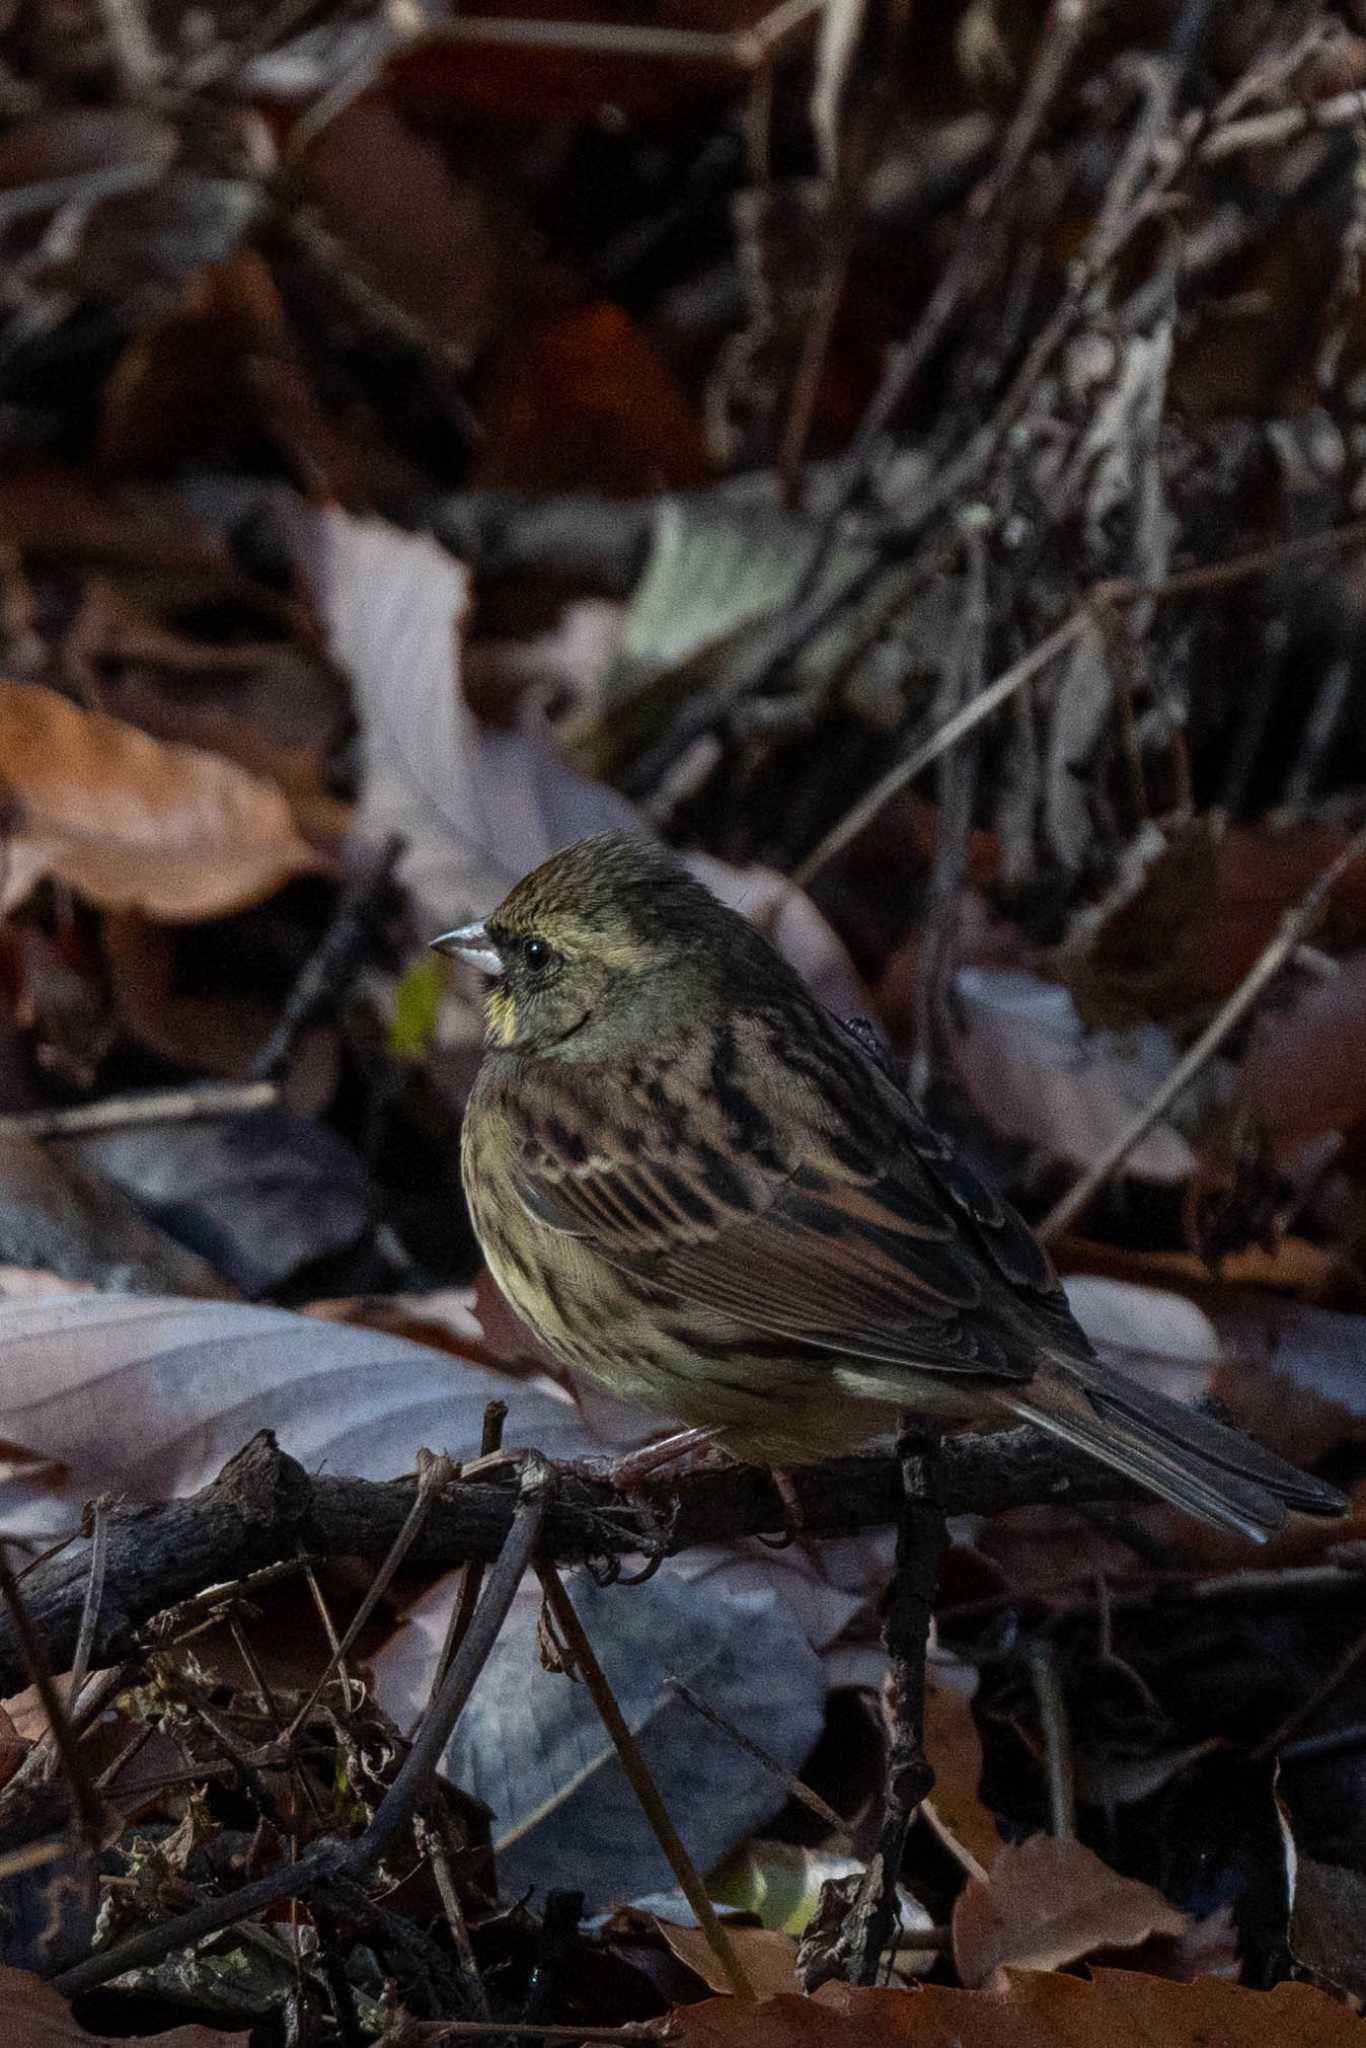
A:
(908, 1777)
(331, 1862)
(1296, 926)
(1057, 44)
(37, 1670)
(632, 1760)
(330, 969)
(433, 1473)
(948, 735)
(471, 1574)
(1285, 124)
(132, 1112)
(791, 1784)
(1057, 1743)
(94, 1593)
(263, 1506)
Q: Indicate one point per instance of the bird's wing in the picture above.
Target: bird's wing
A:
(798, 1193)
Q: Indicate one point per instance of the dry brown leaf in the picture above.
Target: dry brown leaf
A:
(767, 1957)
(954, 1748)
(1118, 2008)
(135, 823)
(210, 1034)
(36, 2015)
(1048, 1903)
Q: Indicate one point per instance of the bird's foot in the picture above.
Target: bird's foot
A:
(702, 1446)
(628, 1474)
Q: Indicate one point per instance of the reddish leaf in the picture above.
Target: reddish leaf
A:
(1118, 2009)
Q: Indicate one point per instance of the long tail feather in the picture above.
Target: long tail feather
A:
(1181, 1455)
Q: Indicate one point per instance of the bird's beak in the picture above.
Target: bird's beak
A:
(471, 942)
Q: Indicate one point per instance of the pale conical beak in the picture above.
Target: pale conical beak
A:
(471, 942)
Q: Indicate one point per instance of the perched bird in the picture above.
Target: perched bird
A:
(700, 1188)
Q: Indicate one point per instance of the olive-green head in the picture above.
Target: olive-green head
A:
(604, 945)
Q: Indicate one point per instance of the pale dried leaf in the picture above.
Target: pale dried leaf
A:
(477, 808)
(135, 823)
(145, 1398)
(1048, 1903)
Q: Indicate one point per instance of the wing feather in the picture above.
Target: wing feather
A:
(818, 1217)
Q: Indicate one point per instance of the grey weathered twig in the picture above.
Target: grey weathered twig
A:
(194, 1104)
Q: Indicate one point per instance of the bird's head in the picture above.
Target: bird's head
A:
(600, 946)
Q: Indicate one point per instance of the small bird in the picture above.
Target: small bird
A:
(700, 1188)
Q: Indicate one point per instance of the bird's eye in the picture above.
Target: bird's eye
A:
(537, 954)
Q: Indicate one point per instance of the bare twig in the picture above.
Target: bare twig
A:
(948, 735)
(633, 1763)
(135, 53)
(960, 686)
(471, 1574)
(329, 970)
(132, 1112)
(1057, 1744)
(32, 1856)
(1282, 124)
(1057, 44)
(791, 1784)
(1210, 576)
(1296, 926)
(99, 1552)
(330, 1861)
(433, 1473)
(430, 1839)
(908, 1776)
(85, 1800)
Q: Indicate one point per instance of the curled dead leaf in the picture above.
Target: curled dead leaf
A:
(135, 823)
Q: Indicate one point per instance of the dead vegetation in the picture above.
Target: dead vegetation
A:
(911, 458)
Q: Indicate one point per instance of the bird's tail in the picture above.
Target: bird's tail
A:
(1179, 1454)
